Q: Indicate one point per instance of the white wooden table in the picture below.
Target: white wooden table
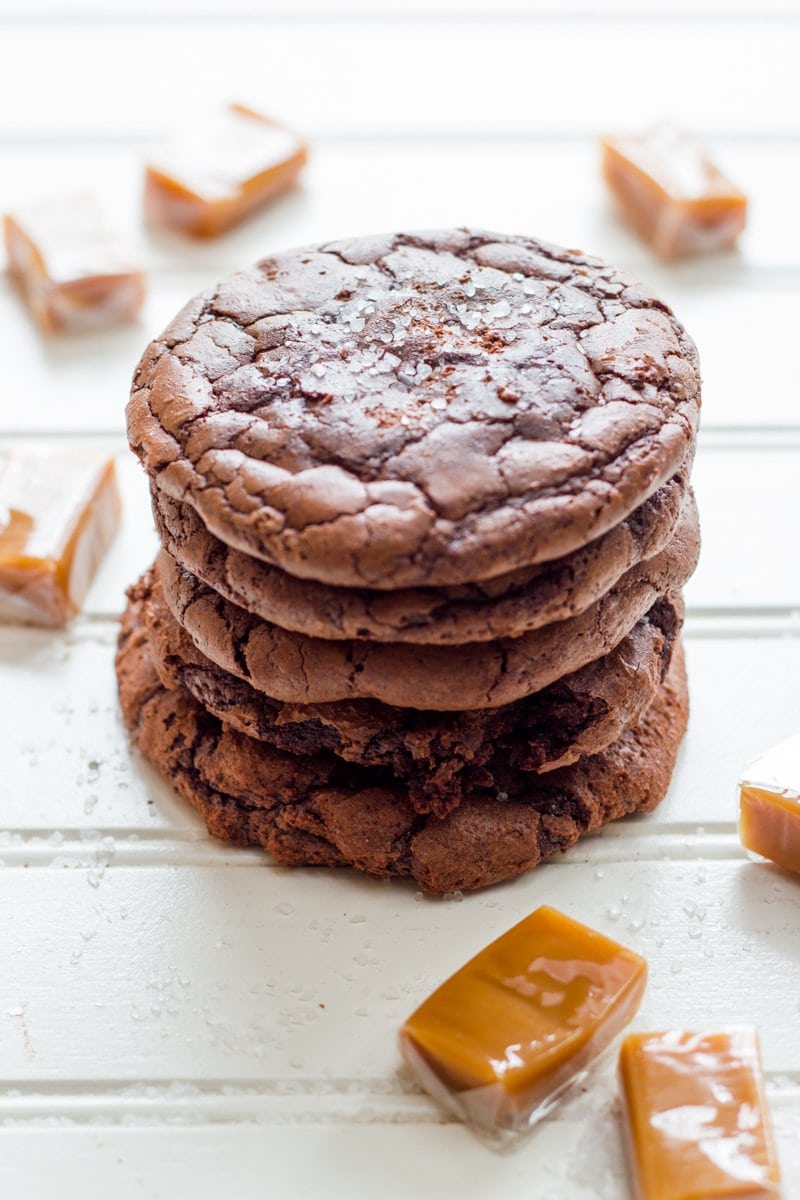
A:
(182, 1020)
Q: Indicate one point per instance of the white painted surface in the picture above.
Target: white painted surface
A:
(162, 1029)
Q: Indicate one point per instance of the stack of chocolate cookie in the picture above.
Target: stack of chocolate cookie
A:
(425, 513)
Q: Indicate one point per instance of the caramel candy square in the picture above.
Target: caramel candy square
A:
(769, 805)
(58, 515)
(673, 195)
(696, 1118)
(69, 267)
(222, 170)
(503, 1038)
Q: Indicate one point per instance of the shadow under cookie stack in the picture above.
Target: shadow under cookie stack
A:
(425, 516)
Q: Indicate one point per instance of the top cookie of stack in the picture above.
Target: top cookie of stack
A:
(436, 471)
(417, 410)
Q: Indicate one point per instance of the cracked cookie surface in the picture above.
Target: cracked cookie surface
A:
(417, 409)
(318, 810)
(438, 757)
(505, 606)
(298, 669)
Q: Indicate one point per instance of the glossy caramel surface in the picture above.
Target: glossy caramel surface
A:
(58, 514)
(528, 1011)
(211, 177)
(769, 805)
(696, 1118)
(672, 193)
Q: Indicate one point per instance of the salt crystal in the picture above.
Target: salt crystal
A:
(284, 908)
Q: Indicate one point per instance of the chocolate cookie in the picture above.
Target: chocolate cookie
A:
(417, 409)
(437, 756)
(297, 669)
(505, 606)
(319, 810)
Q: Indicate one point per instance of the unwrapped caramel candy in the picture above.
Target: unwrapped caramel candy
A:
(696, 1117)
(769, 805)
(222, 170)
(58, 515)
(670, 191)
(501, 1041)
(69, 267)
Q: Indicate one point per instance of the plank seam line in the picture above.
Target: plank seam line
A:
(27, 1103)
(201, 852)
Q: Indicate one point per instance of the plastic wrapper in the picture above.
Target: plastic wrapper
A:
(224, 168)
(769, 805)
(58, 515)
(71, 270)
(502, 1040)
(668, 189)
(695, 1116)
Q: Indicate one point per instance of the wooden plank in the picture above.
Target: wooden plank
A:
(533, 185)
(747, 504)
(265, 975)
(576, 1154)
(475, 77)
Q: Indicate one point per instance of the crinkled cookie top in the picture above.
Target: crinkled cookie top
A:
(412, 409)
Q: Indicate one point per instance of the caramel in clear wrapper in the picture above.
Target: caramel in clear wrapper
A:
(69, 268)
(501, 1040)
(696, 1118)
(670, 191)
(58, 515)
(221, 171)
(769, 805)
